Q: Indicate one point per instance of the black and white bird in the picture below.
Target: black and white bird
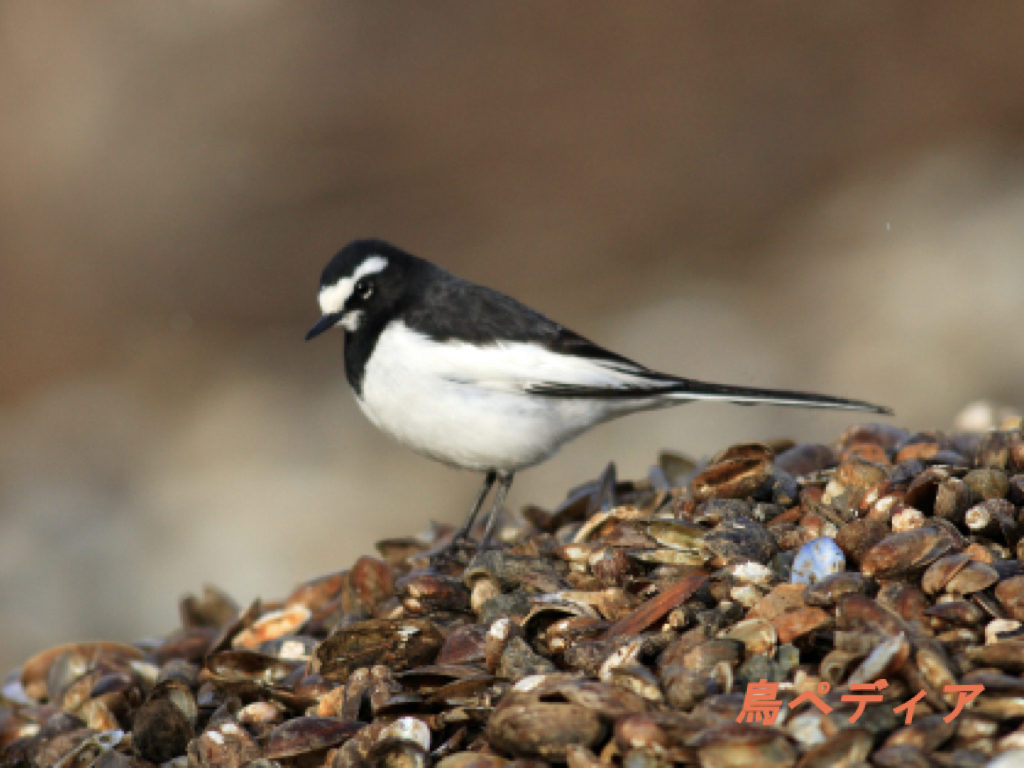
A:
(472, 378)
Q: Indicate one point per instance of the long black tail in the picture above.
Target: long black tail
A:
(687, 389)
(666, 388)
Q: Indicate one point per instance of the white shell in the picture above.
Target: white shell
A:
(752, 573)
(1008, 759)
(408, 729)
(817, 559)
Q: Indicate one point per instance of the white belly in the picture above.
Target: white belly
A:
(466, 406)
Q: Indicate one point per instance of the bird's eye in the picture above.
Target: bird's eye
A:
(364, 289)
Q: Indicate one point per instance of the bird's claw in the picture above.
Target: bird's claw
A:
(458, 550)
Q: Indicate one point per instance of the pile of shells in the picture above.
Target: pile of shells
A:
(788, 605)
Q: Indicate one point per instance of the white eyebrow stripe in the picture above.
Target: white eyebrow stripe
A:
(332, 298)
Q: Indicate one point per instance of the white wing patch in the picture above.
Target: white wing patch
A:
(508, 366)
(332, 298)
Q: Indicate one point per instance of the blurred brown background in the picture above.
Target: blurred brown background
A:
(828, 196)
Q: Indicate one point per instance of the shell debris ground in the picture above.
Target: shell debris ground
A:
(784, 605)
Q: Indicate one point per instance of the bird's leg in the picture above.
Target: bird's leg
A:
(463, 532)
(504, 483)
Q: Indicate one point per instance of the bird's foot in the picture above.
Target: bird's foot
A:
(457, 551)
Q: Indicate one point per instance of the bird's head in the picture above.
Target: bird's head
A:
(364, 282)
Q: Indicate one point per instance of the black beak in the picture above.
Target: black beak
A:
(325, 323)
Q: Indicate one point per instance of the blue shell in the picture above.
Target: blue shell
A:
(817, 559)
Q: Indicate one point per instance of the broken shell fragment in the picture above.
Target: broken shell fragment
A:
(738, 541)
(757, 635)
(887, 657)
(525, 727)
(225, 744)
(827, 591)
(305, 735)
(397, 643)
(973, 577)
(1010, 594)
(735, 473)
(904, 553)
(73, 659)
(427, 592)
(272, 625)
(737, 745)
(161, 730)
(938, 574)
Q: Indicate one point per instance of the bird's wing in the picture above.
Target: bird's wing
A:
(539, 367)
(591, 371)
(540, 357)
(496, 342)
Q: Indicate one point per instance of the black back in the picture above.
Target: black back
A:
(443, 307)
